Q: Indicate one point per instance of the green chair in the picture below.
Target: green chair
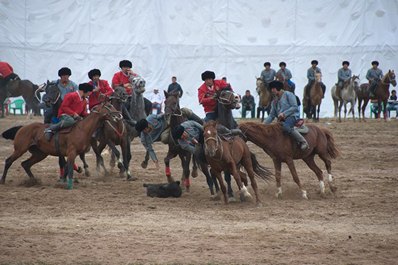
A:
(17, 105)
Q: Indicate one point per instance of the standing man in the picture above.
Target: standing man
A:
(374, 75)
(287, 76)
(248, 104)
(268, 74)
(284, 108)
(207, 92)
(174, 86)
(343, 75)
(157, 100)
(121, 78)
(101, 90)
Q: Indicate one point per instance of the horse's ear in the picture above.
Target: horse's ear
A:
(166, 94)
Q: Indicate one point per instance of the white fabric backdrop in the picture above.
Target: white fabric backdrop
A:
(184, 38)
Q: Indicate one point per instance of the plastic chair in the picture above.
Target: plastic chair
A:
(17, 105)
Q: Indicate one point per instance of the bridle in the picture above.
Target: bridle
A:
(219, 145)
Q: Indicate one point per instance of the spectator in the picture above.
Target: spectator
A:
(393, 103)
(248, 104)
(156, 98)
(174, 86)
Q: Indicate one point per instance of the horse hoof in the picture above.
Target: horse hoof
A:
(120, 165)
(259, 205)
(131, 178)
(215, 197)
(333, 189)
(231, 199)
(87, 173)
(144, 164)
(194, 174)
(278, 195)
(79, 170)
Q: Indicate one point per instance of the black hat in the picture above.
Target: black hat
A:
(267, 63)
(64, 71)
(282, 63)
(86, 87)
(375, 63)
(314, 62)
(177, 132)
(141, 125)
(346, 62)
(276, 84)
(207, 75)
(93, 73)
(125, 63)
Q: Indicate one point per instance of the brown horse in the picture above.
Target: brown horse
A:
(222, 154)
(77, 141)
(24, 88)
(279, 77)
(316, 95)
(265, 95)
(362, 96)
(281, 148)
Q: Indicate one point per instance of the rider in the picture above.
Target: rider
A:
(101, 90)
(287, 75)
(343, 75)
(268, 74)
(374, 75)
(121, 78)
(311, 79)
(174, 86)
(207, 92)
(6, 74)
(284, 107)
(64, 84)
(73, 108)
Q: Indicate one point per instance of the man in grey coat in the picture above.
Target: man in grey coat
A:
(174, 87)
(268, 74)
(374, 75)
(343, 75)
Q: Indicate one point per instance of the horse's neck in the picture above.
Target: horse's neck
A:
(225, 116)
(176, 120)
(137, 106)
(265, 95)
(90, 124)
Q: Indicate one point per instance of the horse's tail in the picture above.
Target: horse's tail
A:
(10, 133)
(331, 146)
(263, 172)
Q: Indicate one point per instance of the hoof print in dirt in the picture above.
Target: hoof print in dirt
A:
(164, 190)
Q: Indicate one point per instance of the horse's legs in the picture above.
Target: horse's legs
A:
(292, 168)
(278, 170)
(98, 154)
(17, 154)
(222, 185)
(340, 105)
(317, 112)
(227, 178)
(85, 165)
(385, 113)
(365, 103)
(313, 166)
(167, 159)
(359, 108)
(328, 164)
(345, 111)
(69, 165)
(247, 163)
(244, 194)
(62, 164)
(194, 173)
(126, 153)
(185, 160)
(36, 157)
(116, 152)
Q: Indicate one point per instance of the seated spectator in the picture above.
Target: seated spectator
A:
(375, 108)
(393, 103)
(157, 99)
(248, 104)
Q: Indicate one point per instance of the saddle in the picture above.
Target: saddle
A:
(300, 127)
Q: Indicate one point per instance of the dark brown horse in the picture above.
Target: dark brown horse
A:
(281, 148)
(286, 87)
(24, 88)
(382, 94)
(224, 154)
(77, 141)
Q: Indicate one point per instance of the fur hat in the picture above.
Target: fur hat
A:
(267, 63)
(64, 71)
(208, 75)
(346, 62)
(276, 84)
(177, 132)
(375, 63)
(125, 63)
(141, 125)
(86, 87)
(282, 63)
(93, 73)
(314, 62)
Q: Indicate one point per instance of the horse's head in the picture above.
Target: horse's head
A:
(228, 98)
(118, 97)
(52, 94)
(171, 105)
(259, 84)
(279, 77)
(391, 77)
(318, 77)
(354, 81)
(138, 84)
(212, 141)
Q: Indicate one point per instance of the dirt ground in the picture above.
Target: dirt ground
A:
(107, 220)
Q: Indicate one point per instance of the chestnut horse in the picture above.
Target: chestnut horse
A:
(77, 141)
(281, 148)
(265, 96)
(224, 154)
(316, 95)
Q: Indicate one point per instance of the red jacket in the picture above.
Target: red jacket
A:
(205, 95)
(119, 79)
(96, 97)
(73, 104)
(5, 69)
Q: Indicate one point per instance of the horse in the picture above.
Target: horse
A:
(348, 95)
(282, 148)
(382, 92)
(31, 138)
(224, 154)
(279, 77)
(265, 96)
(315, 98)
(24, 88)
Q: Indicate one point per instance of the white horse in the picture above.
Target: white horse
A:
(348, 95)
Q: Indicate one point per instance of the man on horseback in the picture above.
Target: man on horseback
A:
(343, 75)
(174, 86)
(311, 77)
(207, 93)
(73, 108)
(64, 84)
(121, 78)
(101, 90)
(284, 108)
(6, 75)
(374, 75)
(287, 75)
(268, 74)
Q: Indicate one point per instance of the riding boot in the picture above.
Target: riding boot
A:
(300, 140)
(49, 132)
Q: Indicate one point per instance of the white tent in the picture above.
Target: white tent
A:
(184, 38)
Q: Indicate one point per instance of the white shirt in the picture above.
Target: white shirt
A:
(156, 97)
